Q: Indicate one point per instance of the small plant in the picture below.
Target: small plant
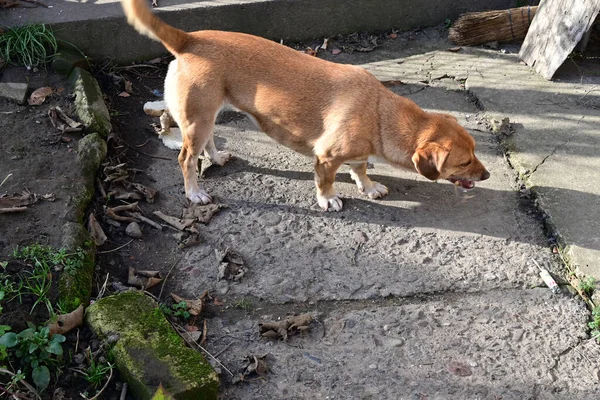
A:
(96, 372)
(36, 350)
(595, 324)
(30, 46)
(177, 310)
(244, 304)
(587, 285)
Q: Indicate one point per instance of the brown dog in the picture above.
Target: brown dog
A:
(334, 113)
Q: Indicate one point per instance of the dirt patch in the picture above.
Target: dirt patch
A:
(38, 158)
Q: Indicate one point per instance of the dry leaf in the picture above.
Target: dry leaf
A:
(96, 231)
(254, 365)
(61, 121)
(190, 241)
(124, 94)
(65, 322)
(128, 86)
(231, 265)
(201, 212)
(393, 35)
(25, 198)
(290, 325)
(459, 368)
(335, 51)
(180, 224)
(39, 96)
(143, 279)
(454, 49)
(194, 307)
(146, 191)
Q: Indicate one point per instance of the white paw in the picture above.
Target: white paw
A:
(333, 203)
(376, 191)
(220, 158)
(200, 197)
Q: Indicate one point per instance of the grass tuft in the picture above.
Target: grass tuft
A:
(30, 46)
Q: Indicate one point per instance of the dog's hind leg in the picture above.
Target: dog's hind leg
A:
(195, 137)
(325, 170)
(366, 186)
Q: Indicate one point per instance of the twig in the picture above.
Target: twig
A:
(5, 179)
(191, 343)
(77, 342)
(101, 188)
(146, 220)
(103, 387)
(167, 277)
(14, 395)
(143, 144)
(204, 333)
(27, 385)
(225, 348)
(110, 213)
(118, 248)
(145, 154)
(126, 207)
(12, 210)
(103, 288)
(123, 391)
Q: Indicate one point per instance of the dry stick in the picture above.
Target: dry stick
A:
(27, 385)
(167, 277)
(101, 188)
(14, 395)
(185, 337)
(126, 207)
(146, 220)
(225, 348)
(118, 248)
(110, 213)
(103, 288)
(123, 391)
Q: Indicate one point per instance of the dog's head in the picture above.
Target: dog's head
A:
(446, 151)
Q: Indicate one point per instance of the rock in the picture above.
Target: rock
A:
(78, 358)
(66, 60)
(75, 284)
(597, 374)
(14, 91)
(133, 230)
(149, 351)
(89, 102)
(517, 335)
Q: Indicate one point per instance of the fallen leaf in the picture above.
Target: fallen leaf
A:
(61, 121)
(290, 325)
(143, 279)
(124, 94)
(146, 191)
(393, 35)
(194, 307)
(231, 265)
(39, 96)
(128, 86)
(455, 49)
(335, 51)
(25, 198)
(96, 232)
(190, 241)
(180, 224)
(254, 365)
(65, 322)
(201, 212)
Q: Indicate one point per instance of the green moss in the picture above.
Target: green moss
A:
(89, 103)
(75, 282)
(146, 339)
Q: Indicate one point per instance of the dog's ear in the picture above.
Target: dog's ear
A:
(429, 160)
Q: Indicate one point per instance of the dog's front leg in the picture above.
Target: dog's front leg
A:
(366, 186)
(324, 177)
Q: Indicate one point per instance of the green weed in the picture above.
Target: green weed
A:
(177, 310)
(587, 285)
(96, 372)
(30, 46)
(595, 324)
(36, 351)
(244, 304)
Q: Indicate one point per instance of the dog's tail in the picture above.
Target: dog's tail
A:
(145, 22)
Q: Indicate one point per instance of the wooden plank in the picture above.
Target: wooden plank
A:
(555, 30)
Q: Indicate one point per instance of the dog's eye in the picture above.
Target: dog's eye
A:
(463, 165)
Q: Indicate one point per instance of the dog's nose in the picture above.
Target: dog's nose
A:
(485, 175)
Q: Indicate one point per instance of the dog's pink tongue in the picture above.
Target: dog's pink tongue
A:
(467, 184)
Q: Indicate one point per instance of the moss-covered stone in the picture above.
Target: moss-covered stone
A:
(89, 103)
(75, 284)
(149, 352)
